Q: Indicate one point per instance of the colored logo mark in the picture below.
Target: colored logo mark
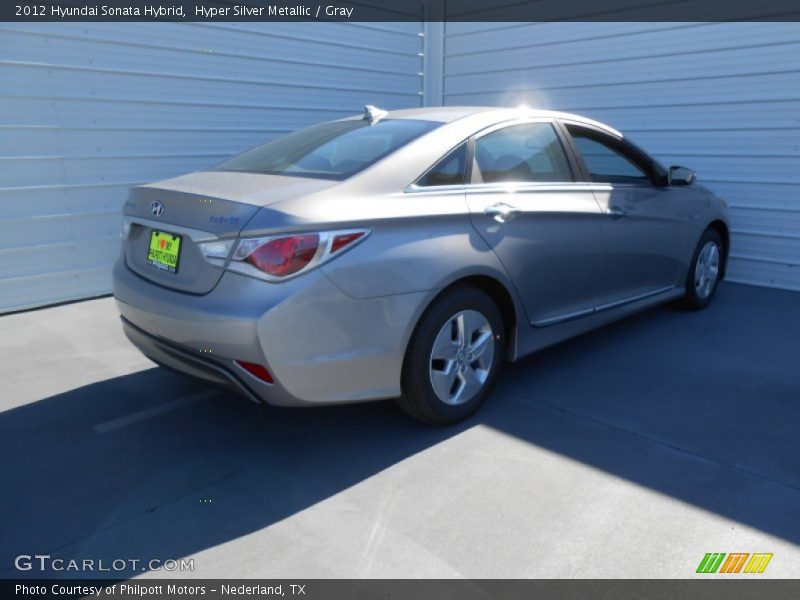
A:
(735, 562)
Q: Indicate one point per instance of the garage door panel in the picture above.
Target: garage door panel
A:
(476, 38)
(89, 142)
(772, 222)
(59, 229)
(363, 44)
(26, 261)
(643, 50)
(52, 287)
(750, 89)
(731, 115)
(767, 169)
(616, 87)
(771, 245)
(156, 113)
(755, 194)
(40, 202)
(394, 36)
(28, 171)
(758, 143)
(82, 54)
(77, 81)
(764, 272)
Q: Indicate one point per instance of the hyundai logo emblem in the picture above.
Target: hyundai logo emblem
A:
(156, 208)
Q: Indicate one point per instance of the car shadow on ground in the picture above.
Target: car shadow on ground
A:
(702, 407)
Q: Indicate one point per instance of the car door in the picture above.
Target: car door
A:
(544, 226)
(644, 229)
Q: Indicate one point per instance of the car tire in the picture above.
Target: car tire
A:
(705, 270)
(453, 357)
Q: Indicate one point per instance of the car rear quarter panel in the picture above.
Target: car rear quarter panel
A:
(413, 251)
(420, 255)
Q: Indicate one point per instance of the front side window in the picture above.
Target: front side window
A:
(530, 152)
(605, 162)
(448, 171)
(335, 150)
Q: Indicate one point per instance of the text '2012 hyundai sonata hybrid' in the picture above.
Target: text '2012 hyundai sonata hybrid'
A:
(407, 254)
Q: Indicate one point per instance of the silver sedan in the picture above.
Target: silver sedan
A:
(408, 254)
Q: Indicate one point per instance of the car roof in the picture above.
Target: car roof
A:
(448, 114)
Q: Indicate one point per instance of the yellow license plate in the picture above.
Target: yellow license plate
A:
(164, 251)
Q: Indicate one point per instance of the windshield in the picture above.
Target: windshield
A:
(335, 150)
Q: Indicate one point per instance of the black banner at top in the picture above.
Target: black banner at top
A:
(399, 10)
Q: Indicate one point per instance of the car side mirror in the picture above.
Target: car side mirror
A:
(681, 176)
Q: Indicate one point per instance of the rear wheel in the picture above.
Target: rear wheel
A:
(704, 271)
(453, 357)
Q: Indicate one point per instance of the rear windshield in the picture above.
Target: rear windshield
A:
(335, 150)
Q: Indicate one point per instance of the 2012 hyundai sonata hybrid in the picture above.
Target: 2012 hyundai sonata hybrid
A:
(407, 254)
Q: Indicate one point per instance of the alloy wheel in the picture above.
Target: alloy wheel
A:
(707, 269)
(462, 357)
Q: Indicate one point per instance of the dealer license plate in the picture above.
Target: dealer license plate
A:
(164, 251)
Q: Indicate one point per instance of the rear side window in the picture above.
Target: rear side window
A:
(448, 171)
(335, 150)
(522, 153)
(606, 162)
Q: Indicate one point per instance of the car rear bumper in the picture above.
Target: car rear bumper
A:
(184, 360)
(320, 345)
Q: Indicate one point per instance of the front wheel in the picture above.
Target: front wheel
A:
(453, 357)
(704, 271)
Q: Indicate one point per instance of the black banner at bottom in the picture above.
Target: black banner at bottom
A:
(402, 589)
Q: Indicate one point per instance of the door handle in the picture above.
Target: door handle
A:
(615, 212)
(502, 212)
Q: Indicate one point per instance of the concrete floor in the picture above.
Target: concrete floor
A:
(629, 452)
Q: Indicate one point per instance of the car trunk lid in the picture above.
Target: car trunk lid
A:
(197, 208)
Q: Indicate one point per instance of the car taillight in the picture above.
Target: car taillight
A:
(279, 257)
(345, 239)
(286, 255)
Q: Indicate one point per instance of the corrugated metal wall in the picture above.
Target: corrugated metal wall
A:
(87, 110)
(722, 98)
